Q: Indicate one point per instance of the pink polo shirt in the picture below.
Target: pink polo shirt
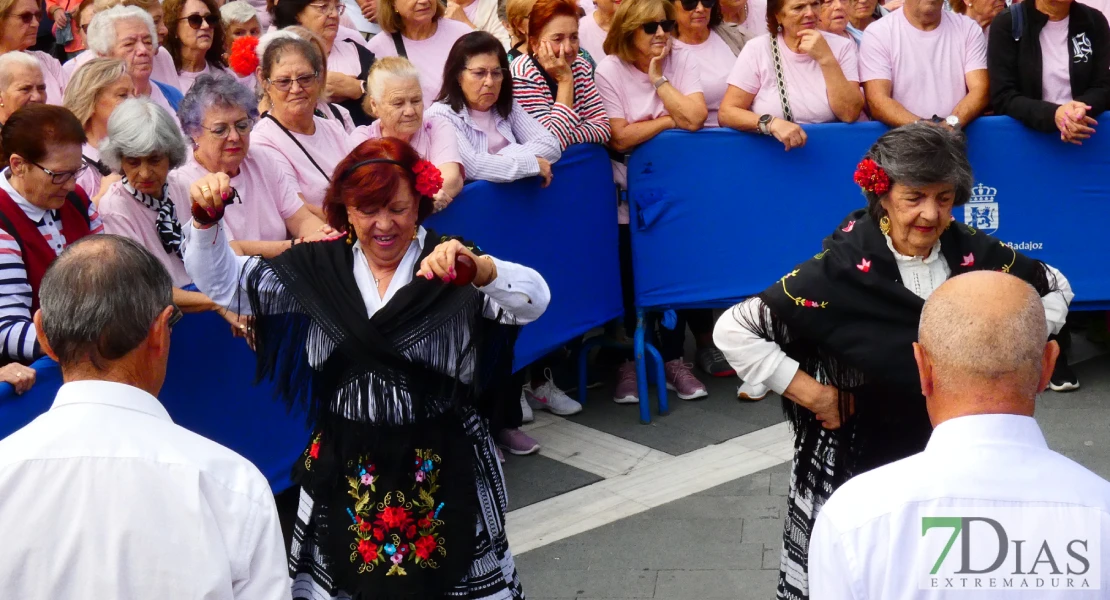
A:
(164, 70)
(428, 56)
(1055, 62)
(926, 68)
(715, 61)
(754, 72)
(124, 215)
(435, 141)
(267, 193)
(591, 37)
(329, 145)
(52, 75)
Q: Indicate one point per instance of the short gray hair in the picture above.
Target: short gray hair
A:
(102, 36)
(139, 128)
(239, 11)
(210, 90)
(10, 60)
(99, 299)
(922, 154)
(385, 68)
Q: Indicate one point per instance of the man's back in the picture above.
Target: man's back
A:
(879, 537)
(104, 497)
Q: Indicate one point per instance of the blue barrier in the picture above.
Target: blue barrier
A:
(719, 215)
(209, 385)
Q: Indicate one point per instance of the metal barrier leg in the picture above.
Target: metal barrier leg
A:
(660, 379)
(641, 367)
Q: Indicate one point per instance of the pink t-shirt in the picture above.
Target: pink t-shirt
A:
(124, 215)
(329, 145)
(754, 72)
(1055, 62)
(344, 58)
(428, 56)
(164, 70)
(187, 78)
(52, 75)
(629, 94)
(926, 68)
(435, 141)
(587, 6)
(90, 179)
(157, 97)
(591, 37)
(756, 21)
(485, 122)
(715, 61)
(267, 194)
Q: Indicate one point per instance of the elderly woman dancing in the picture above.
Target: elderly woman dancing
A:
(834, 335)
(388, 335)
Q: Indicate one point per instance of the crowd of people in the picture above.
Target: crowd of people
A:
(137, 119)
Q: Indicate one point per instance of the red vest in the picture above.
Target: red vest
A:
(37, 252)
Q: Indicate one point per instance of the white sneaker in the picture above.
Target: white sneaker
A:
(751, 393)
(526, 415)
(549, 397)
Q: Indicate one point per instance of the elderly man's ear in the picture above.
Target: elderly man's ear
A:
(1048, 364)
(43, 344)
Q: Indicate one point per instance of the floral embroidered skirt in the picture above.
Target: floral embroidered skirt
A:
(435, 528)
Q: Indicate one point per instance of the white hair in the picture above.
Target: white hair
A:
(139, 128)
(236, 12)
(102, 35)
(269, 38)
(10, 61)
(389, 68)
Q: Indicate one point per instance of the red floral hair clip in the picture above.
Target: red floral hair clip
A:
(243, 59)
(871, 177)
(428, 178)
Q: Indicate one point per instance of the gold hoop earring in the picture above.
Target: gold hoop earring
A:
(884, 225)
(415, 232)
(350, 235)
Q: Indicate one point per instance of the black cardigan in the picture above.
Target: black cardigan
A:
(1015, 67)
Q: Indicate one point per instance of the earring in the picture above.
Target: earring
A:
(350, 235)
(415, 232)
(884, 225)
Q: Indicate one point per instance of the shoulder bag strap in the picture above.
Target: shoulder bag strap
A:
(1017, 17)
(298, 143)
(777, 58)
(399, 44)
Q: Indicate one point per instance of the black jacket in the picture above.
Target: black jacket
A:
(1015, 67)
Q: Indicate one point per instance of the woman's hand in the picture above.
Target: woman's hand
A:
(61, 19)
(441, 200)
(209, 193)
(341, 86)
(369, 9)
(456, 12)
(242, 326)
(325, 232)
(21, 377)
(1073, 122)
(655, 67)
(441, 263)
(105, 183)
(545, 171)
(790, 134)
(825, 405)
(815, 45)
(553, 61)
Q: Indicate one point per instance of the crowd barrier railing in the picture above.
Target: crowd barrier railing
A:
(566, 232)
(719, 215)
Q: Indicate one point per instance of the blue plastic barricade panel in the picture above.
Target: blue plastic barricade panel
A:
(567, 232)
(719, 215)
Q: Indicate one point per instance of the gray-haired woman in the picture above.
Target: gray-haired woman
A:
(21, 82)
(834, 337)
(269, 214)
(144, 143)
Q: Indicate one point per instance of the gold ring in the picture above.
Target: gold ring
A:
(205, 188)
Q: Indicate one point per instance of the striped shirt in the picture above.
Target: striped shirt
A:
(17, 332)
(584, 123)
(527, 140)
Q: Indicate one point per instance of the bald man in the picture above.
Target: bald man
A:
(987, 510)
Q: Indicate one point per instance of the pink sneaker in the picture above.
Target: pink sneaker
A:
(517, 442)
(682, 381)
(626, 392)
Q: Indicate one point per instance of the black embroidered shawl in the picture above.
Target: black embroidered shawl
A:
(846, 317)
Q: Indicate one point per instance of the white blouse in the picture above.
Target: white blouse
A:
(762, 362)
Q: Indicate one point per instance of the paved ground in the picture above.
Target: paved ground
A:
(691, 505)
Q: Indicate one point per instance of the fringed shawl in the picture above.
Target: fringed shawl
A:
(849, 321)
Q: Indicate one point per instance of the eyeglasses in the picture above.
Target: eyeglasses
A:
(27, 17)
(689, 5)
(327, 7)
(651, 27)
(481, 74)
(60, 177)
(195, 21)
(222, 130)
(175, 316)
(286, 83)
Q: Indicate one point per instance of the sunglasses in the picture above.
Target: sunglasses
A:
(689, 5)
(286, 84)
(651, 27)
(28, 17)
(195, 21)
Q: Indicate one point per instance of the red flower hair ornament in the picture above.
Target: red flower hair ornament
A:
(243, 59)
(428, 178)
(871, 177)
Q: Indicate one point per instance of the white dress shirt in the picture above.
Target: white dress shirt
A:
(760, 362)
(104, 497)
(868, 539)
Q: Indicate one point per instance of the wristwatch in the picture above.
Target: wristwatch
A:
(659, 82)
(765, 124)
(953, 121)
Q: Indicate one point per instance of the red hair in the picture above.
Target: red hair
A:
(373, 185)
(545, 11)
